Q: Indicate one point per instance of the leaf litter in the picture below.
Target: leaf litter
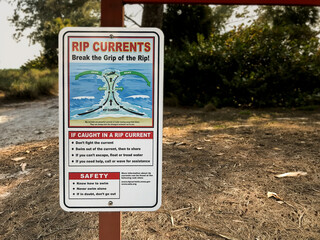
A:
(230, 204)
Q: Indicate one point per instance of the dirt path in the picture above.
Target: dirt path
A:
(217, 170)
(28, 121)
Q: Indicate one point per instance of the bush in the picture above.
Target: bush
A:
(39, 63)
(249, 66)
(29, 84)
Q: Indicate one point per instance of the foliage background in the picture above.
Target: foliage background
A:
(28, 84)
(272, 62)
(275, 61)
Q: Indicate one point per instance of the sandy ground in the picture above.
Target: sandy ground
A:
(28, 121)
(217, 170)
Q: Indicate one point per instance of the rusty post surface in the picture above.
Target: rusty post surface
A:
(112, 13)
(109, 226)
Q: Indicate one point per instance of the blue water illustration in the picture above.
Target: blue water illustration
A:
(112, 94)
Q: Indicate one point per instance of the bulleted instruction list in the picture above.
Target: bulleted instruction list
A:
(108, 149)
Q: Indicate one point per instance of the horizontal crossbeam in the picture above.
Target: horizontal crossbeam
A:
(231, 2)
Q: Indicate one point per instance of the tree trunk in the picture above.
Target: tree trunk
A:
(152, 15)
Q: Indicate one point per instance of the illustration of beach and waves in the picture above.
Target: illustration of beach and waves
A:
(111, 94)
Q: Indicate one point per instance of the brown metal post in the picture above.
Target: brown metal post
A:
(109, 226)
(112, 15)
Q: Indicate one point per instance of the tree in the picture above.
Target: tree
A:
(284, 15)
(46, 18)
(263, 64)
(152, 15)
(220, 15)
(296, 21)
(182, 23)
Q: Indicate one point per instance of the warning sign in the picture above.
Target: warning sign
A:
(111, 91)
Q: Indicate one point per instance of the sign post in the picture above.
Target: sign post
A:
(110, 225)
(111, 90)
(112, 15)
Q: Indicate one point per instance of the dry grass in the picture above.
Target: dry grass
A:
(214, 185)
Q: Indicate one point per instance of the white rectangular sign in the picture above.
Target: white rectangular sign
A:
(111, 94)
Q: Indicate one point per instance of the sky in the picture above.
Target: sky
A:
(13, 54)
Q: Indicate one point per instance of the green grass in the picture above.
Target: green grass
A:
(220, 126)
(309, 108)
(246, 113)
(30, 84)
